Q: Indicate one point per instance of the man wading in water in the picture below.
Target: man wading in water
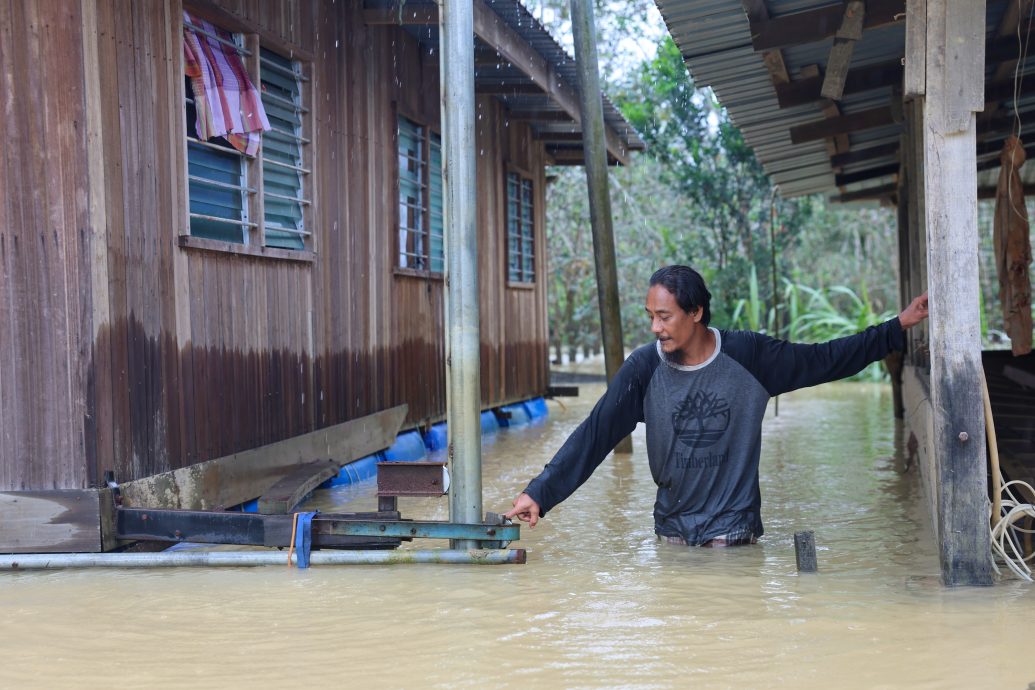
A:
(702, 394)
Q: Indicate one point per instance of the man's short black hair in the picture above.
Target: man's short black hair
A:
(687, 286)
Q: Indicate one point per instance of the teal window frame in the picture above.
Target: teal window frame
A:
(420, 229)
(520, 228)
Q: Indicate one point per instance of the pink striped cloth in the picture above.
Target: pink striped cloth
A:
(227, 103)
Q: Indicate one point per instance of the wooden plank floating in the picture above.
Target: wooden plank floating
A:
(50, 521)
(292, 489)
(234, 479)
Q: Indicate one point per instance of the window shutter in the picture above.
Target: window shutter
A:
(282, 161)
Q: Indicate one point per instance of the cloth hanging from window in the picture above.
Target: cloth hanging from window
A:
(227, 103)
(1013, 248)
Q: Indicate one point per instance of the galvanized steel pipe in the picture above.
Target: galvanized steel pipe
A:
(238, 559)
(463, 392)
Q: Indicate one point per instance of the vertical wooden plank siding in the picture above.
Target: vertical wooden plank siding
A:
(44, 248)
(122, 350)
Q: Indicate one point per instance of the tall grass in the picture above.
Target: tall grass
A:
(812, 315)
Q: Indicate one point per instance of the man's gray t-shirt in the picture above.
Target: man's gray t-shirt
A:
(704, 425)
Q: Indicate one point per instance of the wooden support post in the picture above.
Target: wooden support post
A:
(805, 551)
(599, 195)
(954, 91)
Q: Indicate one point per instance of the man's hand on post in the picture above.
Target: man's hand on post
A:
(525, 509)
(914, 313)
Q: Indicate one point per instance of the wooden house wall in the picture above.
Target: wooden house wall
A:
(45, 246)
(127, 352)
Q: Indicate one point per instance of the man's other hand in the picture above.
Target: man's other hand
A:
(915, 312)
(525, 509)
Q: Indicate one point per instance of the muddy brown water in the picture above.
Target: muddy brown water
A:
(600, 602)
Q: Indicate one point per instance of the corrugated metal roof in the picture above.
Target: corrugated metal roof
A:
(714, 37)
(491, 70)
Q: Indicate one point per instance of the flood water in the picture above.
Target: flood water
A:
(600, 602)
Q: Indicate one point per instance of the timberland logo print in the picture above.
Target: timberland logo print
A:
(701, 419)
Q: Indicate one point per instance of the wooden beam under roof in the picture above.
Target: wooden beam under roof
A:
(538, 116)
(820, 129)
(489, 27)
(990, 192)
(810, 26)
(757, 11)
(807, 89)
(503, 88)
(573, 137)
(868, 174)
(882, 191)
(863, 155)
(840, 56)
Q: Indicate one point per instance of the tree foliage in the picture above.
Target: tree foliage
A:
(698, 196)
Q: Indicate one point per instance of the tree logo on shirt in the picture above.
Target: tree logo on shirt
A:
(701, 419)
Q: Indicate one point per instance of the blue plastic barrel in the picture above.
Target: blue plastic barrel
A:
(536, 408)
(408, 447)
(437, 437)
(513, 415)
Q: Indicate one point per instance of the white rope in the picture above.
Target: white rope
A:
(1006, 533)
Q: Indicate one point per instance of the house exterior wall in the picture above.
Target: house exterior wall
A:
(124, 350)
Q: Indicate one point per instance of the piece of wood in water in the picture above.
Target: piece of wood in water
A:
(52, 521)
(292, 489)
(233, 479)
(805, 551)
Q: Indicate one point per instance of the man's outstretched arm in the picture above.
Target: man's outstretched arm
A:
(782, 366)
(613, 418)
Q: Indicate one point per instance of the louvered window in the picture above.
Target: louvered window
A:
(217, 185)
(420, 229)
(284, 174)
(223, 184)
(520, 229)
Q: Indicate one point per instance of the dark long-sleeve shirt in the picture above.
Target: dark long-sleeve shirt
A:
(704, 424)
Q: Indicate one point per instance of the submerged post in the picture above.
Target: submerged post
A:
(595, 154)
(463, 387)
(805, 551)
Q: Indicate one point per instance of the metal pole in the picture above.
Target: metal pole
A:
(463, 388)
(239, 559)
(595, 154)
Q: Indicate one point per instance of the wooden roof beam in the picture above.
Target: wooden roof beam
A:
(841, 51)
(883, 191)
(502, 88)
(869, 174)
(489, 27)
(570, 137)
(990, 192)
(810, 26)
(537, 116)
(757, 11)
(820, 129)
(573, 156)
(863, 155)
(808, 89)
